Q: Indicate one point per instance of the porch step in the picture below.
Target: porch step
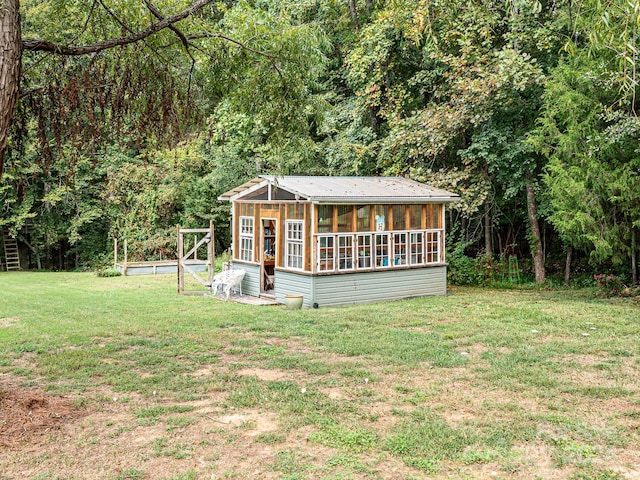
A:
(11, 252)
(251, 300)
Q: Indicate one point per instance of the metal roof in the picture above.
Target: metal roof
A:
(326, 189)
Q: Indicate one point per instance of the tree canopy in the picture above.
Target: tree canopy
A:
(133, 116)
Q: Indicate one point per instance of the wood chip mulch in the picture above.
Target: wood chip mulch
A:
(27, 416)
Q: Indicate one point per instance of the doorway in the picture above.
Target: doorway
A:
(269, 248)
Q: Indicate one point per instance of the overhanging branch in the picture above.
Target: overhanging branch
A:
(44, 46)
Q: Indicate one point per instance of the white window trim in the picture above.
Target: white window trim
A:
(365, 246)
(390, 244)
(247, 236)
(331, 259)
(405, 255)
(353, 251)
(439, 233)
(294, 241)
(388, 250)
(422, 252)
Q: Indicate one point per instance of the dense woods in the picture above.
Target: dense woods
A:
(527, 109)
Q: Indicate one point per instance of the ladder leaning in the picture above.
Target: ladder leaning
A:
(11, 252)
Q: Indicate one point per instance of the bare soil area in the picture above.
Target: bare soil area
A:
(27, 417)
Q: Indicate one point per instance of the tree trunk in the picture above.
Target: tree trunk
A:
(567, 266)
(10, 63)
(374, 121)
(353, 12)
(369, 5)
(536, 239)
(463, 227)
(634, 257)
(34, 250)
(487, 230)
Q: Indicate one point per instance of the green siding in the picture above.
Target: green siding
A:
(288, 282)
(379, 286)
(251, 280)
(364, 287)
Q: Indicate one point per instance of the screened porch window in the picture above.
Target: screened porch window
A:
(345, 218)
(415, 217)
(325, 218)
(294, 244)
(246, 239)
(363, 215)
(398, 212)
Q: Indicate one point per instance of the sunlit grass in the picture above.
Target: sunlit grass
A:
(443, 384)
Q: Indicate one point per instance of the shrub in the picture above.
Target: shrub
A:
(609, 285)
(461, 269)
(108, 272)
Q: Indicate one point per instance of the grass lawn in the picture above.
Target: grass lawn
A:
(121, 378)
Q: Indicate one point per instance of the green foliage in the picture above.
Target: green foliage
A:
(273, 79)
(88, 159)
(480, 98)
(609, 285)
(108, 272)
(591, 178)
(462, 269)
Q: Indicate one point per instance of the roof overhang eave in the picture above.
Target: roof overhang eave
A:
(267, 180)
(380, 200)
(244, 192)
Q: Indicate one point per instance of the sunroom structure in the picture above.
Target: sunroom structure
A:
(339, 240)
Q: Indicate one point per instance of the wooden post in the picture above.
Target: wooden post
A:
(407, 219)
(180, 268)
(372, 218)
(124, 267)
(313, 210)
(354, 218)
(443, 245)
(211, 253)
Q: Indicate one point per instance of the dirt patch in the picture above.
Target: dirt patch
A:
(265, 375)
(29, 415)
(254, 423)
(207, 371)
(8, 321)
